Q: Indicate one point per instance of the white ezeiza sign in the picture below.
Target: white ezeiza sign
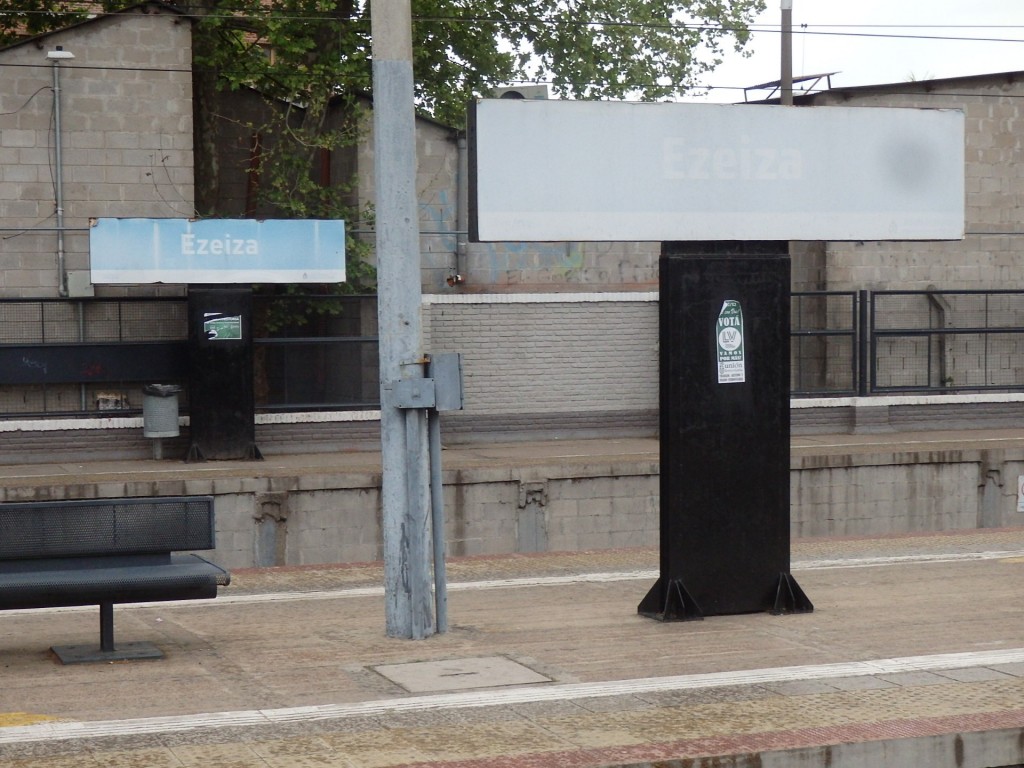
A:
(593, 171)
(216, 251)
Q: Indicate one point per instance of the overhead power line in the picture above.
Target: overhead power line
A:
(352, 82)
(805, 28)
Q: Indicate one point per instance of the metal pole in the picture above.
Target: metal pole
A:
(863, 343)
(462, 212)
(437, 522)
(58, 162)
(405, 492)
(786, 81)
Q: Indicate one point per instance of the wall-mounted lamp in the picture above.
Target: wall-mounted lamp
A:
(59, 53)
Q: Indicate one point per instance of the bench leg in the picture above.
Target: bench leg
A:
(107, 627)
(107, 651)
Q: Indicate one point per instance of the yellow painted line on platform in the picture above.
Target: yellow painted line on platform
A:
(15, 719)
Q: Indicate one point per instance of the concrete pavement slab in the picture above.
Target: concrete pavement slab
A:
(914, 644)
(459, 674)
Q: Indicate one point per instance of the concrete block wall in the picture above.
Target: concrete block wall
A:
(437, 173)
(312, 517)
(882, 500)
(987, 258)
(556, 511)
(887, 493)
(546, 266)
(126, 107)
(618, 511)
(322, 516)
(505, 266)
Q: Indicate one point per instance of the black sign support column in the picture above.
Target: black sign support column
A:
(220, 396)
(724, 346)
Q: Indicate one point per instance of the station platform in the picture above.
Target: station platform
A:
(913, 656)
(20, 479)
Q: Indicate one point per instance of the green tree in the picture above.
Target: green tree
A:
(643, 49)
(312, 60)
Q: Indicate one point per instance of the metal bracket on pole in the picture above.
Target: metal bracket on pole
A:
(446, 371)
(442, 391)
(413, 393)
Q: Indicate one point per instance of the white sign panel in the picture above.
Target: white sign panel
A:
(583, 170)
(217, 251)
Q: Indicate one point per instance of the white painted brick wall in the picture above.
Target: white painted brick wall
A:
(551, 357)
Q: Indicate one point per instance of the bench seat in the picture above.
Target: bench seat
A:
(50, 583)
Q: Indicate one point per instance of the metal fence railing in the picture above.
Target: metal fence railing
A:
(62, 356)
(315, 352)
(93, 356)
(824, 334)
(881, 342)
(946, 340)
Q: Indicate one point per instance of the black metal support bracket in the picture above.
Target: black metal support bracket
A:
(789, 598)
(668, 600)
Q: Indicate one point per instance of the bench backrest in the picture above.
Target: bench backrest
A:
(105, 527)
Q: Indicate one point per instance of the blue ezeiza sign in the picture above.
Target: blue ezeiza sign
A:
(217, 251)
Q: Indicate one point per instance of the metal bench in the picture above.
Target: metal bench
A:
(106, 551)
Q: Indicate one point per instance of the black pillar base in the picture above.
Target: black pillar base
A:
(195, 454)
(668, 600)
(789, 598)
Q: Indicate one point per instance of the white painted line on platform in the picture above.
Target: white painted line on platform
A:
(61, 731)
(919, 559)
(897, 445)
(878, 401)
(613, 576)
(536, 581)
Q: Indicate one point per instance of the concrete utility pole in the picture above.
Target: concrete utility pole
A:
(786, 80)
(406, 491)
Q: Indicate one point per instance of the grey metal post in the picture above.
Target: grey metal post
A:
(786, 79)
(55, 58)
(437, 522)
(863, 343)
(405, 493)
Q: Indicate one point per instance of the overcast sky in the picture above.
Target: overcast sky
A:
(870, 42)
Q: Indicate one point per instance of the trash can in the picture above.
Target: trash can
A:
(160, 414)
